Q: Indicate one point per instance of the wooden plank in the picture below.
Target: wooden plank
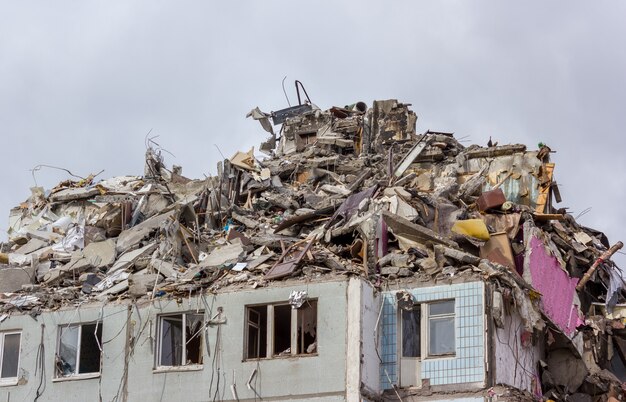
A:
(544, 191)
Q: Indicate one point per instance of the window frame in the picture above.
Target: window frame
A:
(4, 381)
(77, 375)
(270, 329)
(429, 318)
(158, 367)
(425, 330)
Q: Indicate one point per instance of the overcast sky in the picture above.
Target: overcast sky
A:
(82, 83)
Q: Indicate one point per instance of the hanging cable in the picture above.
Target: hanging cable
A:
(40, 366)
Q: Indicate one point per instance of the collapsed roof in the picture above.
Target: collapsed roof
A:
(345, 191)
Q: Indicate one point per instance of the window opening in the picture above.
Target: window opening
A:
(9, 354)
(291, 331)
(282, 330)
(79, 349)
(257, 332)
(411, 327)
(181, 339)
(441, 328)
(307, 328)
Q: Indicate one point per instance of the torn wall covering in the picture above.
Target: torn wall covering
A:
(546, 275)
(357, 260)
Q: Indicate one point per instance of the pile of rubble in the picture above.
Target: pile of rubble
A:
(346, 191)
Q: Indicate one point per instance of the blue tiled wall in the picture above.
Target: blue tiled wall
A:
(468, 364)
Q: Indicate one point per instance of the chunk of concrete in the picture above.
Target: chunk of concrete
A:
(165, 268)
(101, 254)
(31, 245)
(94, 234)
(115, 289)
(389, 270)
(70, 194)
(128, 259)
(567, 370)
(12, 279)
(130, 237)
(405, 272)
(142, 283)
(414, 232)
(221, 255)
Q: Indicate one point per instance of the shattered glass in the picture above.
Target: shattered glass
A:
(79, 349)
(68, 350)
(181, 347)
(193, 345)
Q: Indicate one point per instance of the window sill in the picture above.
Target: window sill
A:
(9, 382)
(254, 359)
(440, 357)
(77, 377)
(169, 369)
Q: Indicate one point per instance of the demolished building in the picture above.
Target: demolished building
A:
(359, 261)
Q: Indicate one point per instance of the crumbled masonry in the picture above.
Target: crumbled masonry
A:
(349, 191)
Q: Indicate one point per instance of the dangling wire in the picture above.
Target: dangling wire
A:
(285, 92)
(40, 366)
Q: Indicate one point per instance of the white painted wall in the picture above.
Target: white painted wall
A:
(370, 311)
(313, 378)
(515, 365)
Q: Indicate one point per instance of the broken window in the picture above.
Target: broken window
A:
(307, 328)
(441, 328)
(79, 349)
(257, 332)
(280, 330)
(9, 356)
(180, 339)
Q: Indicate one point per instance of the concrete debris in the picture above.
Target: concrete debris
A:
(101, 254)
(12, 279)
(348, 191)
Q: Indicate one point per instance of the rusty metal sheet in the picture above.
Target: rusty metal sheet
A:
(279, 116)
(491, 199)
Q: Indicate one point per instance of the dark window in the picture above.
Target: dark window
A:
(9, 354)
(284, 339)
(180, 339)
(411, 326)
(282, 330)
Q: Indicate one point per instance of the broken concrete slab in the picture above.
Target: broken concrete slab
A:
(141, 283)
(165, 268)
(113, 290)
(567, 370)
(71, 194)
(131, 237)
(101, 254)
(224, 254)
(412, 231)
(31, 246)
(127, 259)
(12, 279)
